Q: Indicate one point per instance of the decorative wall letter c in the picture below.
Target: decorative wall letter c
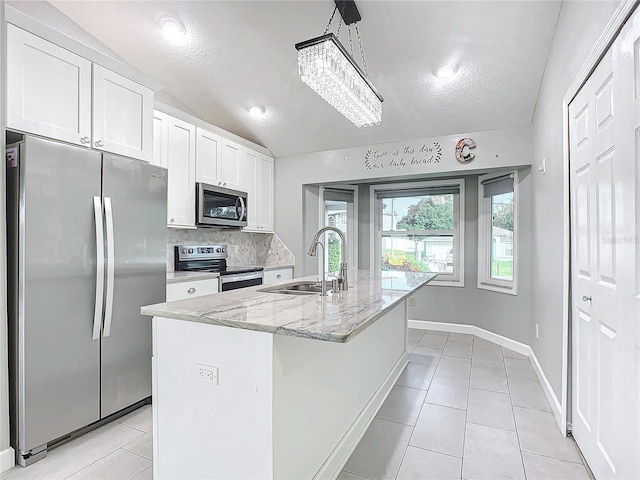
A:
(460, 155)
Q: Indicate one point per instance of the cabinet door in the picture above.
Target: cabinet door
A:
(250, 185)
(160, 134)
(122, 115)
(181, 162)
(231, 165)
(48, 89)
(208, 152)
(265, 213)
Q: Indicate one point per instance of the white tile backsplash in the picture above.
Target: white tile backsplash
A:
(264, 249)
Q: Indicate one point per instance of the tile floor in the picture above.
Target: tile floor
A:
(463, 408)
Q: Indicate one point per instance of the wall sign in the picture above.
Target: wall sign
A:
(398, 159)
(460, 155)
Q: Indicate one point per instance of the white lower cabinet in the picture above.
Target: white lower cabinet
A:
(195, 288)
(175, 148)
(280, 275)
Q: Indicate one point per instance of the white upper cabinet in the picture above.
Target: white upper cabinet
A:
(258, 183)
(175, 144)
(231, 165)
(52, 92)
(122, 115)
(48, 89)
(208, 151)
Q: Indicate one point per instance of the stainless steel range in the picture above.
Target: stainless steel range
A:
(213, 258)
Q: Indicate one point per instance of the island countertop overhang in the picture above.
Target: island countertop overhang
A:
(335, 318)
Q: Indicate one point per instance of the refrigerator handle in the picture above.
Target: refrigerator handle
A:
(97, 312)
(108, 309)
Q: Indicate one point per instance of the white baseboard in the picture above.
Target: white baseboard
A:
(521, 348)
(7, 459)
(332, 467)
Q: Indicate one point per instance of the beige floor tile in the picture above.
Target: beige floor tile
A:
(487, 378)
(487, 358)
(415, 334)
(402, 405)
(492, 409)
(145, 475)
(78, 454)
(142, 446)
(539, 433)
(440, 429)
(431, 340)
(508, 353)
(416, 375)
(528, 394)
(140, 419)
(120, 465)
(380, 452)
(461, 337)
(482, 344)
(491, 454)
(421, 464)
(538, 467)
(520, 368)
(449, 392)
(457, 349)
(454, 367)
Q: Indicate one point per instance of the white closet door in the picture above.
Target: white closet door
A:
(122, 115)
(605, 201)
(48, 89)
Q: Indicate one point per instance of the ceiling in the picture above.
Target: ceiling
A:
(241, 53)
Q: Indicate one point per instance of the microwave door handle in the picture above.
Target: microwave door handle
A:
(243, 208)
(97, 313)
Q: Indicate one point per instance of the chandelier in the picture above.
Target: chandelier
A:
(330, 70)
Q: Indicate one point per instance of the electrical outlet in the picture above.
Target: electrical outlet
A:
(537, 336)
(207, 373)
(412, 301)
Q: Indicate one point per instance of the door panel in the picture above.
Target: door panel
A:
(208, 152)
(604, 150)
(59, 362)
(138, 194)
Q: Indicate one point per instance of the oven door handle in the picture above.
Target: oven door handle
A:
(241, 276)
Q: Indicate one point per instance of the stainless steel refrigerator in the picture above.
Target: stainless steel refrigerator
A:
(86, 249)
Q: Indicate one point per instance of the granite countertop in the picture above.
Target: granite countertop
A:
(335, 318)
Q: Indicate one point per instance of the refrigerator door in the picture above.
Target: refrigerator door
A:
(55, 368)
(135, 199)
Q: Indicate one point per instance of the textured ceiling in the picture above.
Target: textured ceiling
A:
(242, 52)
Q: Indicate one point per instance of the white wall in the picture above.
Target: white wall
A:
(579, 27)
(296, 220)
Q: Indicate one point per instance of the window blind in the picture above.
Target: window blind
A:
(337, 195)
(497, 185)
(418, 192)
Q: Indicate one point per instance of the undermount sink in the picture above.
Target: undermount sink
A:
(298, 288)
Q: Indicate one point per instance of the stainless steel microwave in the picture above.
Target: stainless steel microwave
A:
(220, 207)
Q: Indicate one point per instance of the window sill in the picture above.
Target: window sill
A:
(510, 289)
(446, 283)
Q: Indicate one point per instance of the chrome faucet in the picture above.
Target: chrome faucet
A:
(313, 250)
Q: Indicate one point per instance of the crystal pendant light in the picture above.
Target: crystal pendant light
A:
(326, 66)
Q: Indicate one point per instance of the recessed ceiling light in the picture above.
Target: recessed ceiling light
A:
(256, 111)
(173, 30)
(447, 70)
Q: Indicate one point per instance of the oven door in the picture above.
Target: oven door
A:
(220, 207)
(240, 280)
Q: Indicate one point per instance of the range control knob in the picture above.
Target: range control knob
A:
(191, 250)
(184, 250)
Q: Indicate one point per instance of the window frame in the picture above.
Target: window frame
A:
(352, 227)
(456, 279)
(485, 239)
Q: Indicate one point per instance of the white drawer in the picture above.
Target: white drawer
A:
(196, 288)
(280, 275)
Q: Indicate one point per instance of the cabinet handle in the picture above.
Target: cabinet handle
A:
(278, 276)
(191, 290)
(99, 143)
(85, 140)
(172, 220)
(219, 184)
(224, 184)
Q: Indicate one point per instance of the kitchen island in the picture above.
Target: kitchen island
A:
(253, 384)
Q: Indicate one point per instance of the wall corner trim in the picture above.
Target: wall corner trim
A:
(506, 342)
(7, 459)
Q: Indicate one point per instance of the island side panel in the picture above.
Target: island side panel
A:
(326, 394)
(203, 429)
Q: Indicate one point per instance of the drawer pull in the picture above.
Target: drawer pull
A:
(191, 290)
(278, 276)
